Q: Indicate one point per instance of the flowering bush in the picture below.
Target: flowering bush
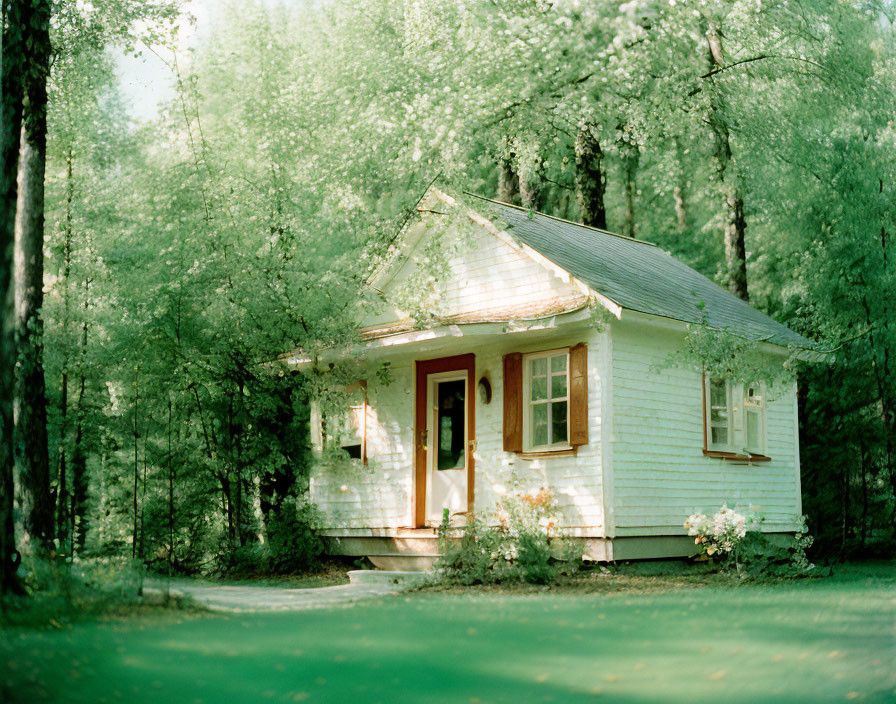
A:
(729, 536)
(719, 535)
(516, 546)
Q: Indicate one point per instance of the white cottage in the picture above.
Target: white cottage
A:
(542, 360)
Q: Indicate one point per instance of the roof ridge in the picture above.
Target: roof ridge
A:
(568, 222)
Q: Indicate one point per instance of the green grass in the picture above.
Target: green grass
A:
(816, 640)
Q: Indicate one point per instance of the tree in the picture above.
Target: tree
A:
(12, 68)
(32, 455)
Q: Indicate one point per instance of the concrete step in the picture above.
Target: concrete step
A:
(397, 578)
(404, 561)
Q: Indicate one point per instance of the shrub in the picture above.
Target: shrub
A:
(64, 589)
(734, 539)
(517, 547)
(719, 536)
(293, 541)
(757, 556)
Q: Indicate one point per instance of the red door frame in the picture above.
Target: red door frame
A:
(461, 362)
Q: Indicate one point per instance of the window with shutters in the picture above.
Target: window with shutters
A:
(734, 417)
(546, 401)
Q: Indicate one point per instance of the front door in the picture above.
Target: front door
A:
(445, 438)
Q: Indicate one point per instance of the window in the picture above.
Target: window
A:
(451, 428)
(546, 401)
(346, 429)
(719, 414)
(734, 419)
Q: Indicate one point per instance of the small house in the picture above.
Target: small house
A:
(515, 351)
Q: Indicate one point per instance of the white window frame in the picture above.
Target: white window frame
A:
(740, 409)
(710, 445)
(529, 404)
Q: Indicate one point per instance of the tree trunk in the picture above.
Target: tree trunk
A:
(32, 455)
(735, 225)
(134, 536)
(12, 67)
(630, 160)
(62, 499)
(590, 181)
(78, 505)
(679, 190)
(170, 502)
(79, 478)
(530, 186)
(863, 457)
(508, 181)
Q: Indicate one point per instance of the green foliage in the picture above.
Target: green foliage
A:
(62, 590)
(293, 542)
(518, 545)
(723, 355)
(187, 253)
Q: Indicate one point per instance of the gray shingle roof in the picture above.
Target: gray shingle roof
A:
(639, 276)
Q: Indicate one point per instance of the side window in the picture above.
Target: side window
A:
(734, 417)
(718, 414)
(754, 418)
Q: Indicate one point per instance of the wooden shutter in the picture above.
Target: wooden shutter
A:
(578, 395)
(513, 402)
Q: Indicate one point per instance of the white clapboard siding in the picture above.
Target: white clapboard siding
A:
(486, 273)
(378, 496)
(381, 495)
(660, 475)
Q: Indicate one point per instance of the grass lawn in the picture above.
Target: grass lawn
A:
(817, 640)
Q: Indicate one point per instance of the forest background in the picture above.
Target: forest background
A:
(162, 263)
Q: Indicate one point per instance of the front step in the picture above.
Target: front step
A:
(404, 561)
(397, 578)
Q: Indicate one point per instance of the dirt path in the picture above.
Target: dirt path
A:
(221, 597)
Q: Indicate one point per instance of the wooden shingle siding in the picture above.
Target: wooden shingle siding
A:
(659, 474)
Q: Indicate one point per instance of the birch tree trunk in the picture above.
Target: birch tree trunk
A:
(590, 181)
(78, 502)
(62, 499)
(32, 456)
(11, 69)
(735, 224)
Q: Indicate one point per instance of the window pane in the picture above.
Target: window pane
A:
(558, 363)
(754, 430)
(753, 397)
(718, 396)
(450, 424)
(719, 415)
(720, 436)
(539, 388)
(558, 385)
(540, 425)
(539, 366)
(558, 422)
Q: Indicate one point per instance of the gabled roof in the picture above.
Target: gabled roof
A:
(637, 275)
